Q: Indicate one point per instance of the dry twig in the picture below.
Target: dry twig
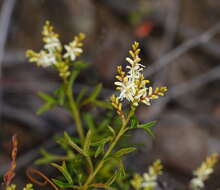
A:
(5, 18)
(172, 55)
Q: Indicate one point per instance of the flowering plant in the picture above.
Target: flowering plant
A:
(94, 149)
(94, 157)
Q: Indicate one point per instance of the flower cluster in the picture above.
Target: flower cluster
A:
(74, 48)
(132, 86)
(13, 187)
(52, 54)
(203, 173)
(116, 104)
(149, 180)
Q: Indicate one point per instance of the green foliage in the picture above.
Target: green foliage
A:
(123, 152)
(48, 157)
(92, 97)
(92, 158)
(50, 102)
(147, 127)
(63, 169)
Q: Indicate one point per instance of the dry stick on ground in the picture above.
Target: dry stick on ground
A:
(170, 26)
(211, 47)
(184, 88)
(14, 57)
(172, 55)
(194, 83)
(5, 18)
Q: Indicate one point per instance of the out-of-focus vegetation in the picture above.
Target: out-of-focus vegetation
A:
(180, 47)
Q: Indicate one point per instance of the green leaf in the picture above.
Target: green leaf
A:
(93, 95)
(102, 141)
(134, 122)
(64, 171)
(73, 144)
(46, 97)
(89, 121)
(60, 92)
(81, 95)
(95, 92)
(50, 102)
(123, 152)
(48, 157)
(79, 65)
(72, 79)
(122, 171)
(101, 144)
(87, 142)
(45, 107)
(111, 130)
(99, 150)
(102, 104)
(61, 184)
(147, 127)
(103, 124)
(102, 186)
(112, 178)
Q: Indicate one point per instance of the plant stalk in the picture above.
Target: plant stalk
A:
(75, 114)
(111, 147)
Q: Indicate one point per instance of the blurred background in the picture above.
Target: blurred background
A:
(180, 42)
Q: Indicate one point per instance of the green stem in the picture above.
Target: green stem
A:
(76, 117)
(73, 106)
(91, 169)
(111, 147)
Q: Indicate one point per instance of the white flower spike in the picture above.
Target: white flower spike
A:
(73, 49)
(132, 86)
(52, 54)
(203, 173)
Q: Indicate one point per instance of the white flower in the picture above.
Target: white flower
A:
(126, 90)
(129, 87)
(201, 175)
(132, 84)
(203, 172)
(46, 59)
(135, 69)
(149, 177)
(52, 43)
(72, 51)
(150, 180)
(197, 183)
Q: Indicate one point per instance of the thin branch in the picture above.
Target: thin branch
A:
(211, 47)
(195, 83)
(171, 25)
(183, 88)
(14, 57)
(172, 55)
(5, 18)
